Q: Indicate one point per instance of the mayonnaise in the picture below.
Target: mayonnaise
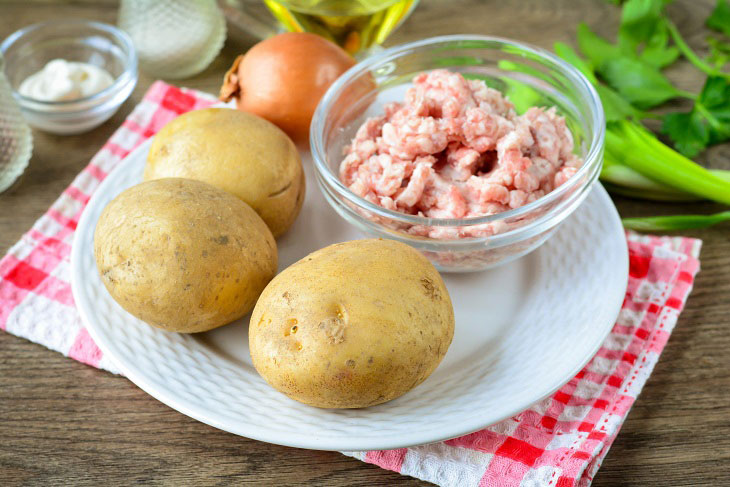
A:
(62, 80)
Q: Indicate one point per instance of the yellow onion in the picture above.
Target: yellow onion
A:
(283, 78)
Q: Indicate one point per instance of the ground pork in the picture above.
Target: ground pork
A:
(455, 148)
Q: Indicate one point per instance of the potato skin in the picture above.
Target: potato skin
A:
(352, 325)
(235, 151)
(183, 255)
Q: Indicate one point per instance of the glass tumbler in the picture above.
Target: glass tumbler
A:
(173, 38)
(16, 143)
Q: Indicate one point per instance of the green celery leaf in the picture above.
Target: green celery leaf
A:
(708, 123)
(568, 54)
(714, 105)
(715, 96)
(615, 106)
(490, 81)
(657, 53)
(639, 21)
(641, 84)
(719, 19)
(507, 65)
(522, 95)
(719, 52)
(688, 131)
(642, 23)
(597, 49)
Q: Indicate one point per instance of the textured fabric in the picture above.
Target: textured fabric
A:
(557, 442)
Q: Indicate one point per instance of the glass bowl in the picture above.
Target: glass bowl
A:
(27, 51)
(509, 66)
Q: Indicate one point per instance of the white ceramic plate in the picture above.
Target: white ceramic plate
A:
(522, 330)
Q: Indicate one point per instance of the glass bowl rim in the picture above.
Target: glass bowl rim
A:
(121, 37)
(316, 134)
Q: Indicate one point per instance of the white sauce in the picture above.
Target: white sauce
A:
(62, 80)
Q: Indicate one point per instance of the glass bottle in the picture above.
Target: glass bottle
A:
(358, 26)
(173, 38)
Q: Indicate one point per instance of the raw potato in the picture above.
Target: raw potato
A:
(235, 151)
(352, 325)
(183, 255)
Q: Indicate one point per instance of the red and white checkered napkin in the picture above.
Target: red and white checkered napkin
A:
(560, 441)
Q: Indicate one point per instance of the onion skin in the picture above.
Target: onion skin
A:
(283, 78)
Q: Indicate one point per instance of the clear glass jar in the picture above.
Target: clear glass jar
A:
(173, 38)
(503, 64)
(16, 143)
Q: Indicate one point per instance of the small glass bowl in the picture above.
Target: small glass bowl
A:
(506, 65)
(28, 50)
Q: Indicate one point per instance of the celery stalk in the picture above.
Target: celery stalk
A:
(647, 155)
(675, 222)
(690, 55)
(623, 180)
(616, 173)
(643, 194)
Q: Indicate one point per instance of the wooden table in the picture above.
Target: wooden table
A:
(65, 423)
